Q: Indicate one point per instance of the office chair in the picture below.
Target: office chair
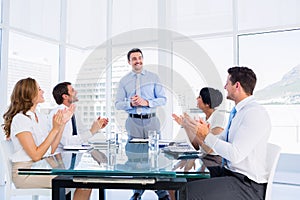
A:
(273, 153)
(6, 150)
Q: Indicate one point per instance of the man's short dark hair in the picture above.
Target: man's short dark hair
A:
(59, 90)
(134, 50)
(245, 76)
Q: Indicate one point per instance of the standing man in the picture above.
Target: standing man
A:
(139, 93)
(75, 132)
(243, 145)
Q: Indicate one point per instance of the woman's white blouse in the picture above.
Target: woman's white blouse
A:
(39, 131)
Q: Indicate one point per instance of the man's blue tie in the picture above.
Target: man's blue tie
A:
(231, 116)
(138, 92)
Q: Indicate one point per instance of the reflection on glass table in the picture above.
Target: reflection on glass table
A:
(132, 159)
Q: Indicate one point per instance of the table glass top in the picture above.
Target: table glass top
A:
(128, 160)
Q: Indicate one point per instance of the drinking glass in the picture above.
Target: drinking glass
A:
(153, 140)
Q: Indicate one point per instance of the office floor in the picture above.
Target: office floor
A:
(280, 192)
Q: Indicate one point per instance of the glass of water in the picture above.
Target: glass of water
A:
(153, 140)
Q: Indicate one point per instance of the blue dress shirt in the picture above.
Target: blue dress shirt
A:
(151, 90)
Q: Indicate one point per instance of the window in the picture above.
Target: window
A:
(275, 13)
(133, 14)
(40, 17)
(75, 59)
(0, 45)
(30, 57)
(86, 23)
(1, 11)
(194, 17)
(275, 59)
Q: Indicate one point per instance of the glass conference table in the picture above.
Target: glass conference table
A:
(127, 166)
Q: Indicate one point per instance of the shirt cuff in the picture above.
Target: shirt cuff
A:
(211, 140)
(85, 136)
(150, 103)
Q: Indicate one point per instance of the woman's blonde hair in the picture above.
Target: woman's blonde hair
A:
(21, 100)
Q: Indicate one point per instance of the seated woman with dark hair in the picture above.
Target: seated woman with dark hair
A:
(207, 101)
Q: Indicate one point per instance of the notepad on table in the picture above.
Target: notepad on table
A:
(139, 140)
(77, 147)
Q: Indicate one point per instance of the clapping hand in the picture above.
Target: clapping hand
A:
(102, 122)
(68, 113)
(99, 124)
(61, 117)
(196, 130)
(203, 129)
(178, 119)
(58, 120)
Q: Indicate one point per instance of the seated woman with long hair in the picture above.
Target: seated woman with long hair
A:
(29, 132)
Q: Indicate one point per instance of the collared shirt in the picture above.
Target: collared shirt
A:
(67, 138)
(151, 90)
(23, 123)
(245, 150)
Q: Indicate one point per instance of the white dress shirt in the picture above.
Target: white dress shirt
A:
(245, 150)
(83, 133)
(39, 131)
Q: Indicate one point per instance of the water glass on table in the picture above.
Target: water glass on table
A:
(153, 140)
